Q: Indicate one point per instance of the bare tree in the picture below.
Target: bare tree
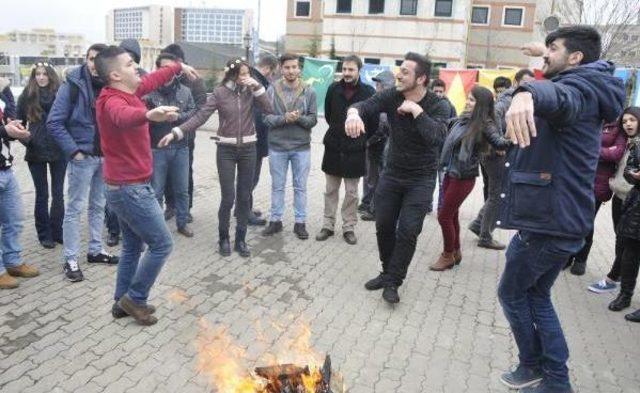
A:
(615, 19)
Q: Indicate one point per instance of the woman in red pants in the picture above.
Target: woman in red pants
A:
(469, 137)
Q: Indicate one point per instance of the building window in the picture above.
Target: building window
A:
(339, 65)
(408, 7)
(444, 8)
(303, 8)
(371, 60)
(435, 69)
(475, 66)
(343, 7)
(399, 62)
(376, 6)
(513, 17)
(480, 15)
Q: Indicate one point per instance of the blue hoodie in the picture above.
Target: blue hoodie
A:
(549, 187)
(71, 121)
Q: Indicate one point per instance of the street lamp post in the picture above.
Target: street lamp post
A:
(247, 45)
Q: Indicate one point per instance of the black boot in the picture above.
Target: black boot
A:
(225, 245)
(273, 228)
(241, 246)
(633, 317)
(621, 302)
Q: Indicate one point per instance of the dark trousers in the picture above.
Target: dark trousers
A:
(493, 167)
(256, 180)
(231, 159)
(616, 214)
(583, 255)
(401, 205)
(629, 264)
(534, 261)
(455, 191)
(485, 182)
(111, 220)
(370, 181)
(49, 219)
(169, 196)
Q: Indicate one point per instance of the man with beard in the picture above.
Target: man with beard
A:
(72, 123)
(417, 118)
(294, 115)
(344, 157)
(549, 195)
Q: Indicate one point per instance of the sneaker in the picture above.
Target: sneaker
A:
(390, 294)
(603, 286)
(72, 271)
(521, 377)
(491, 244)
(117, 312)
(103, 257)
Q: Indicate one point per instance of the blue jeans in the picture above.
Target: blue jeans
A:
(10, 220)
(172, 163)
(49, 221)
(278, 167)
(142, 222)
(533, 264)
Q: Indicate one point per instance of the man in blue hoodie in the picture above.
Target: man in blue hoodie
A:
(548, 196)
(72, 123)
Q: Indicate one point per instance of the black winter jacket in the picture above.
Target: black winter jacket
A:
(629, 225)
(178, 95)
(345, 156)
(41, 147)
(461, 158)
(414, 144)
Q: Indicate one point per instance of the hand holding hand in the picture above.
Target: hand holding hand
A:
(163, 113)
(16, 130)
(521, 125)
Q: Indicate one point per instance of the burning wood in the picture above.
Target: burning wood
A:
(289, 378)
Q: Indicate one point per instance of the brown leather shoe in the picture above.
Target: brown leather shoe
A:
(24, 270)
(444, 262)
(457, 256)
(139, 312)
(8, 282)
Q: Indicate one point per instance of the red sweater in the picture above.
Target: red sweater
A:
(124, 129)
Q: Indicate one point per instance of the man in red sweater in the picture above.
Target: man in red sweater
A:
(123, 121)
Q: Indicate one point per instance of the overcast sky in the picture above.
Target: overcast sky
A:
(88, 17)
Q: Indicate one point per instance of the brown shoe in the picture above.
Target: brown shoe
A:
(24, 270)
(457, 256)
(8, 282)
(444, 262)
(139, 312)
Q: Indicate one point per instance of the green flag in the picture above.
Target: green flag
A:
(318, 73)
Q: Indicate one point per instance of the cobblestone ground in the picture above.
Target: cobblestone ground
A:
(448, 334)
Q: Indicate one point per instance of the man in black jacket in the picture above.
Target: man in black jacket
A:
(417, 118)
(344, 157)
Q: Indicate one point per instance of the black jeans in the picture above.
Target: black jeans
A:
(616, 214)
(168, 187)
(49, 221)
(370, 181)
(232, 158)
(629, 264)
(583, 254)
(401, 205)
(485, 182)
(111, 220)
(493, 169)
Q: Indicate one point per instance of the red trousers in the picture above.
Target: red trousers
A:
(455, 191)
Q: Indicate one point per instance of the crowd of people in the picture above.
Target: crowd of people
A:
(551, 153)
